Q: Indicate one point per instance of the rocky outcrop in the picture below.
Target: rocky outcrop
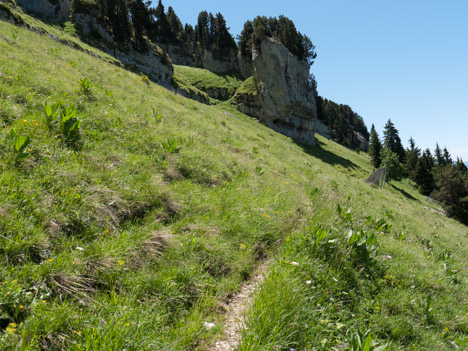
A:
(322, 129)
(227, 64)
(181, 54)
(359, 139)
(283, 99)
(154, 62)
(150, 63)
(54, 10)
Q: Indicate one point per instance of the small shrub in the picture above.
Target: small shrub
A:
(70, 123)
(20, 143)
(57, 115)
(144, 78)
(363, 342)
(51, 112)
(85, 87)
(69, 27)
(171, 145)
(362, 244)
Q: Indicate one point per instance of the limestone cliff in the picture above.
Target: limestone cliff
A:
(182, 54)
(154, 62)
(54, 10)
(282, 99)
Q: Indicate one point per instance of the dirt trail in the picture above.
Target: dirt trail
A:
(235, 312)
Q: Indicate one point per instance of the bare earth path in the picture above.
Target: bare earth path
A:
(235, 312)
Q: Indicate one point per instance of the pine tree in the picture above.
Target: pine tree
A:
(176, 30)
(202, 30)
(309, 50)
(452, 191)
(245, 40)
(116, 12)
(141, 21)
(189, 33)
(439, 158)
(261, 31)
(375, 147)
(423, 173)
(392, 140)
(162, 28)
(461, 166)
(411, 159)
(447, 157)
(223, 42)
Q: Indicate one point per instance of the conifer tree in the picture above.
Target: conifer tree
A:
(375, 147)
(162, 30)
(309, 49)
(423, 173)
(447, 157)
(116, 12)
(202, 30)
(141, 22)
(392, 140)
(411, 159)
(245, 40)
(189, 33)
(223, 41)
(439, 158)
(461, 165)
(176, 30)
(452, 191)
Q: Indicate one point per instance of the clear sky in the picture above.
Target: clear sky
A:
(406, 60)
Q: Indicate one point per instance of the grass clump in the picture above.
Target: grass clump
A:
(248, 87)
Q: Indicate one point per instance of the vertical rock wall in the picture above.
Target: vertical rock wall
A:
(283, 99)
(54, 10)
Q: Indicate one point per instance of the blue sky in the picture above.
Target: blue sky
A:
(406, 60)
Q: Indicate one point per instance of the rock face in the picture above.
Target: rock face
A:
(154, 63)
(150, 63)
(286, 102)
(360, 140)
(54, 10)
(181, 54)
(209, 62)
(322, 129)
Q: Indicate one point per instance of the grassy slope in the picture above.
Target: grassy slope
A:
(120, 242)
(207, 81)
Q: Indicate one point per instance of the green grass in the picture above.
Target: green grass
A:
(248, 87)
(129, 235)
(217, 86)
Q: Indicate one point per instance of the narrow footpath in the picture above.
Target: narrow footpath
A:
(236, 309)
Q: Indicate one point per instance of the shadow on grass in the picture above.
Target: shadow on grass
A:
(404, 193)
(328, 157)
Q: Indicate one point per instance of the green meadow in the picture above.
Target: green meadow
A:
(129, 214)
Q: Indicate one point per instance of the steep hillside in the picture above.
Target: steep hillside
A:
(129, 214)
